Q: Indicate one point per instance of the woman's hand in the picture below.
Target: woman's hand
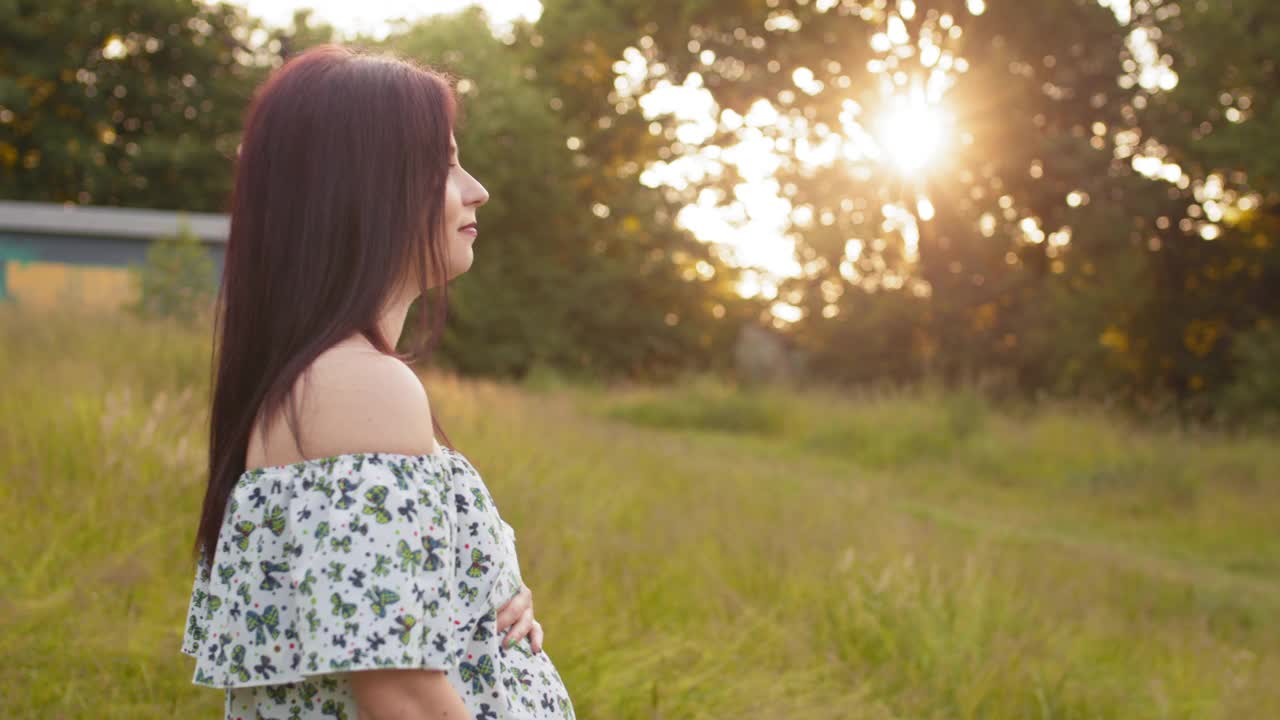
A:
(518, 614)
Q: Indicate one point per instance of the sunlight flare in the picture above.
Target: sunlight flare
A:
(911, 132)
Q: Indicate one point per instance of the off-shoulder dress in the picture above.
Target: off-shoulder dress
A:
(360, 561)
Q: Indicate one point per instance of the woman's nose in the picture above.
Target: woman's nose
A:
(479, 195)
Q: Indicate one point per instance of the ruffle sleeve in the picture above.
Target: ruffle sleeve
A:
(329, 565)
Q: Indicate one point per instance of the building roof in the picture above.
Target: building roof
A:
(59, 219)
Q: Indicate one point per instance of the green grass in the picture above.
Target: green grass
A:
(699, 552)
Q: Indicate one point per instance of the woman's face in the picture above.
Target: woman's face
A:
(462, 196)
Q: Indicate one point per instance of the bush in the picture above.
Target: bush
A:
(1254, 394)
(176, 280)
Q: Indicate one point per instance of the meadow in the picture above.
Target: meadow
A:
(697, 551)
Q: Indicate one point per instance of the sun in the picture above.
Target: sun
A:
(911, 133)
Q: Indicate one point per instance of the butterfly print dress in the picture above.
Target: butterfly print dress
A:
(361, 561)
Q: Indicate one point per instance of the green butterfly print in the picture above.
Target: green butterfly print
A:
(277, 693)
(203, 677)
(344, 544)
(431, 545)
(346, 487)
(518, 648)
(344, 609)
(321, 532)
(377, 498)
(269, 620)
(380, 565)
(308, 580)
(215, 602)
(224, 639)
(406, 623)
(467, 592)
(244, 529)
(324, 487)
(477, 674)
(226, 572)
(433, 607)
(379, 599)
(478, 568)
(237, 667)
(331, 707)
(243, 592)
(409, 558)
(308, 691)
(334, 572)
(401, 472)
(197, 633)
(479, 498)
(313, 620)
(273, 520)
(269, 582)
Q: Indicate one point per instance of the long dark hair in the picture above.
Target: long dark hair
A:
(339, 188)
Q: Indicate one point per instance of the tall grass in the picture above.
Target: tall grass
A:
(695, 552)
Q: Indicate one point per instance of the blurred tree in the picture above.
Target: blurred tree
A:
(135, 103)
(1025, 103)
(1220, 274)
(131, 103)
(1027, 244)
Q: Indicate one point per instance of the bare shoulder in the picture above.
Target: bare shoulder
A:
(355, 399)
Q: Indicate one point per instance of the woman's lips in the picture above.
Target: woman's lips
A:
(471, 230)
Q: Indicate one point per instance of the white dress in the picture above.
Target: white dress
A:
(361, 561)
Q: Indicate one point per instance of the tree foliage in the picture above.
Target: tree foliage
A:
(1086, 226)
(1044, 254)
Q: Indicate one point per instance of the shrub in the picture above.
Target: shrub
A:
(1254, 394)
(176, 280)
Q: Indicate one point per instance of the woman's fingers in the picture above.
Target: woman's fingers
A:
(520, 628)
(514, 608)
(518, 613)
(535, 636)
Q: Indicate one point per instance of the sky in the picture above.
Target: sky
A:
(371, 16)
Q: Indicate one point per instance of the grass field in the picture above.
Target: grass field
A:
(694, 553)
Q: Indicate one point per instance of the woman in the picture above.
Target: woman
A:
(368, 575)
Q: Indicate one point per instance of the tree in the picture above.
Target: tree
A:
(134, 103)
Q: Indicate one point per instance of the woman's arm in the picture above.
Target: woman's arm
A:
(369, 402)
